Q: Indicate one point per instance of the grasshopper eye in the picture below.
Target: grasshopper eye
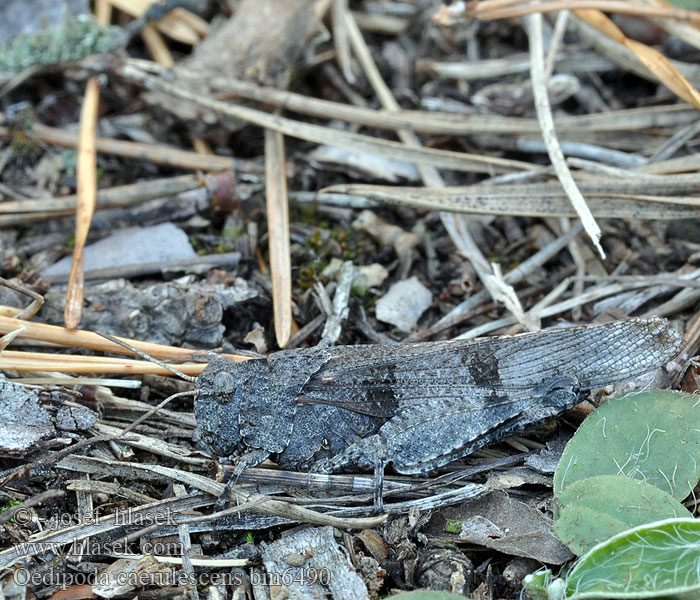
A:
(560, 382)
(223, 387)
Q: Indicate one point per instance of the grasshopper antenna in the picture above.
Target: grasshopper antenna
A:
(160, 363)
(142, 354)
(152, 412)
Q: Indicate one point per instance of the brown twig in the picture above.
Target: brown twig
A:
(25, 471)
(148, 152)
(459, 161)
(87, 194)
(340, 39)
(226, 260)
(35, 305)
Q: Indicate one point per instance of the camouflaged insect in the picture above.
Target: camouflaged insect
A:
(415, 406)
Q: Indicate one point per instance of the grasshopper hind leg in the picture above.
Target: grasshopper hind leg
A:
(379, 466)
(433, 431)
(250, 459)
(366, 454)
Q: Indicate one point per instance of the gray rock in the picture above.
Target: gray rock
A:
(172, 313)
(326, 572)
(25, 422)
(29, 415)
(75, 418)
(161, 243)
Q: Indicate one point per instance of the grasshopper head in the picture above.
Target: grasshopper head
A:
(217, 407)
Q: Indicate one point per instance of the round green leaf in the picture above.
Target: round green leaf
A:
(655, 560)
(595, 509)
(653, 436)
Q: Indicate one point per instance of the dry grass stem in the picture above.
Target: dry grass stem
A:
(157, 46)
(75, 363)
(651, 58)
(278, 228)
(544, 115)
(487, 10)
(93, 341)
(87, 193)
(155, 154)
(180, 24)
(103, 12)
(447, 159)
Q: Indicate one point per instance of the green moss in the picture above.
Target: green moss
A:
(232, 233)
(315, 240)
(350, 244)
(310, 273)
(74, 40)
(358, 290)
(454, 525)
(354, 244)
(308, 213)
(8, 506)
(24, 146)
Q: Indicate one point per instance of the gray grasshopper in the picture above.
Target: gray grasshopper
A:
(414, 406)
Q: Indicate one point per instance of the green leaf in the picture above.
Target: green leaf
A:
(595, 509)
(653, 436)
(655, 560)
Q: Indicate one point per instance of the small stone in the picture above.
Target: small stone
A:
(257, 337)
(516, 570)
(161, 243)
(295, 559)
(404, 303)
(385, 233)
(367, 276)
(371, 275)
(75, 418)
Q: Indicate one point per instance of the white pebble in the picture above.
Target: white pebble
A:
(404, 303)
